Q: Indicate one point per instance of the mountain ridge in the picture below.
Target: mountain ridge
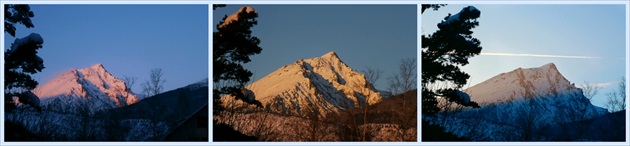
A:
(325, 84)
(540, 81)
(94, 85)
(525, 104)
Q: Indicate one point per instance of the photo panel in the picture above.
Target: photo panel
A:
(311, 73)
(524, 72)
(105, 73)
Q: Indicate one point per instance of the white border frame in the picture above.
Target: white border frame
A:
(325, 2)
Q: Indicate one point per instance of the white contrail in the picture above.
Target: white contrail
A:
(537, 55)
(601, 85)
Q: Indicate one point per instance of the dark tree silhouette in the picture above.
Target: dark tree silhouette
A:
(435, 7)
(21, 59)
(444, 51)
(155, 84)
(233, 43)
(224, 132)
(215, 6)
(436, 133)
(17, 14)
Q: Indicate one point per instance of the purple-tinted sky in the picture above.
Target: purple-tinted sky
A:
(129, 40)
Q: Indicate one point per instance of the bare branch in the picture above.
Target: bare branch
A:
(372, 75)
(405, 80)
(155, 84)
(590, 90)
(129, 81)
(616, 100)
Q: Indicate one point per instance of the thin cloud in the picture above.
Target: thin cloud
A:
(537, 55)
(601, 85)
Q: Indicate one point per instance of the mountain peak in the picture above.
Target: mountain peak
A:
(549, 66)
(97, 66)
(330, 55)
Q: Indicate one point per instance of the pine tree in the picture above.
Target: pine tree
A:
(444, 51)
(17, 14)
(233, 43)
(435, 7)
(21, 59)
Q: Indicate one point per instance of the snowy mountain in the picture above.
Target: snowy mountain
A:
(542, 81)
(521, 105)
(94, 87)
(151, 119)
(324, 84)
(529, 83)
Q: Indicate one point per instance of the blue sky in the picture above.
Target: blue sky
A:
(589, 41)
(129, 40)
(377, 36)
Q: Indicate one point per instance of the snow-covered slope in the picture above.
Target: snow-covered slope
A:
(152, 119)
(530, 83)
(542, 81)
(520, 105)
(94, 85)
(325, 84)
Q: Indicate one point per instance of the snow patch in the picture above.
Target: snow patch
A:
(234, 17)
(463, 97)
(457, 16)
(31, 38)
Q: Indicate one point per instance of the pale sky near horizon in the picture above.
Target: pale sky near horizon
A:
(377, 36)
(586, 42)
(129, 40)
